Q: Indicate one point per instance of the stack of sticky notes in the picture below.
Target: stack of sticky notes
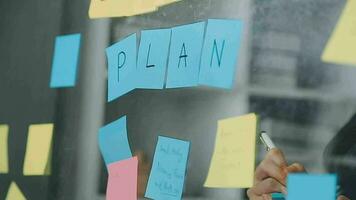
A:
(122, 167)
(124, 8)
(183, 56)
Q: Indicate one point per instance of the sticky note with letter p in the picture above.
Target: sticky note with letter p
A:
(121, 67)
(122, 181)
(311, 186)
(233, 162)
(184, 56)
(65, 61)
(220, 53)
(38, 150)
(167, 175)
(152, 58)
(4, 157)
(113, 141)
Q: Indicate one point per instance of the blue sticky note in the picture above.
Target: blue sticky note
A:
(220, 53)
(113, 142)
(152, 58)
(168, 170)
(311, 186)
(121, 67)
(184, 56)
(65, 61)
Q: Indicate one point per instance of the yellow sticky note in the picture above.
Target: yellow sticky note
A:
(165, 2)
(38, 150)
(110, 8)
(4, 159)
(341, 47)
(233, 161)
(143, 6)
(14, 193)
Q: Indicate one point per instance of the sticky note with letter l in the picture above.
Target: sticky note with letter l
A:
(233, 162)
(311, 186)
(4, 153)
(113, 141)
(184, 56)
(65, 61)
(152, 58)
(167, 175)
(341, 47)
(122, 181)
(14, 193)
(38, 150)
(121, 67)
(220, 53)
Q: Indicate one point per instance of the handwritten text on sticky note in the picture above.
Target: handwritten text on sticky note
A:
(167, 175)
(233, 161)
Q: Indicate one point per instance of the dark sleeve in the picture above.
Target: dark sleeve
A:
(342, 148)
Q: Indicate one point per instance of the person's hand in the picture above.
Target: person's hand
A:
(271, 175)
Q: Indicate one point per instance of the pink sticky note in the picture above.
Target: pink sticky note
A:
(122, 182)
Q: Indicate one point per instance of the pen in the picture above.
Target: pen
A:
(266, 140)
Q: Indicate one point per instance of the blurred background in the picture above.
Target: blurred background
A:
(302, 101)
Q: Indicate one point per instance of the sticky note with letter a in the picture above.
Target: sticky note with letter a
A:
(184, 56)
(233, 162)
(220, 53)
(14, 193)
(38, 150)
(311, 186)
(167, 175)
(152, 58)
(65, 61)
(113, 141)
(4, 153)
(122, 181)
(121, 67)
(341, 47)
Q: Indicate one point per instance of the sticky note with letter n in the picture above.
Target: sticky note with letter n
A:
(341, 47)
(167, 175)
(121, 67)
(122, 181)
(38, 150)
(65, 61)
(14, 193)
(233, 162)
(152, 58)
(113, 141)
(311, 186)
(184, 56)
(220, 53)
(4, 153)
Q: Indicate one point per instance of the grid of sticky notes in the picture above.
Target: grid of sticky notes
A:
(65, 61)
(233, 161)
(184, 56)
(168, 171)
(341, 48)
(124, 8)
